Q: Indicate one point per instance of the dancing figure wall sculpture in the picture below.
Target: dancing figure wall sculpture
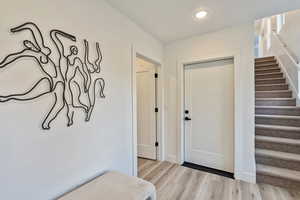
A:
(59, 73)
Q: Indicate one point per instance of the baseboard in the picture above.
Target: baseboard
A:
(208, 170)
(171, 158)
(245, 176)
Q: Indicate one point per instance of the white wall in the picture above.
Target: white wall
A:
(38, 164)
(236, 40)
(290, 32)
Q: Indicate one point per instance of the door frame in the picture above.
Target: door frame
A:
(238, 149)
(160, 115)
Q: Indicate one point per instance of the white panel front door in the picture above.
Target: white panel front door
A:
(146, 112)
(209, 99)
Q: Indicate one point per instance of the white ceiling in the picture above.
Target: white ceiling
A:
(170, 20)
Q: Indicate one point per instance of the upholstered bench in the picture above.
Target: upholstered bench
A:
(113, 186)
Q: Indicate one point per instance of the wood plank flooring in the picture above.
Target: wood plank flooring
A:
(174, 182)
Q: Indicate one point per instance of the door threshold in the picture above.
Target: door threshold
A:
(139, 157)
(208, 169)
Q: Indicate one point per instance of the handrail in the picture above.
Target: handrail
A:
(294, 60)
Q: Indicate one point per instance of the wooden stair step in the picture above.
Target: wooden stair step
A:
(269, 75)
(279, 159)
(277, 110)
(269, 87)
(279, 144)
(275, 102)
(281, 120)
(277, 131)
(268, 70)
(274, 94)
(266, 65)
(263, 59)
(270, 81)
(278, 176)
(257, 69)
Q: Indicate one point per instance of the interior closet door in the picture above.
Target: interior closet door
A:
(146, 100)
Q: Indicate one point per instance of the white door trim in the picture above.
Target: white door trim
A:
(237, 107)
(135, 53)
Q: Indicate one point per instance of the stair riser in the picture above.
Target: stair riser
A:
(280, 121)
(278, 147)
(276, 162)
(275, 102)
(271, 87)
(277, 111)
(271, 81)
(264, 76)
(271, 70)
(277, 181)
(277, 133)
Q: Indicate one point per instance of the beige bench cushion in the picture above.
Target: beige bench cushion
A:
(113, 186)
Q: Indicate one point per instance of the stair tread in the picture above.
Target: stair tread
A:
(278, 172)
(266, 65)
(279, 116)
(274, 91)
(266, 62)
(269, 73)
(271, 68)
(265, 57)
(274, 84)
(279, 107)
(278, 140)
(275, 99)
(278, 155)
(267, 79)
(285, 128)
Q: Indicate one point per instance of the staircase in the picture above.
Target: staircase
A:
(277, 127)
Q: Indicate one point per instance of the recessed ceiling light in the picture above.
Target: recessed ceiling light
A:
(201, 14)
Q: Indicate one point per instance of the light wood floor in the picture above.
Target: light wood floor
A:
(174, 182)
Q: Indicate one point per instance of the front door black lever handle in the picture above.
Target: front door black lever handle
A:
(187, 119)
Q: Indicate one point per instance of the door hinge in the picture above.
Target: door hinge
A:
(156, 75)
(156, 110)
(156, 144)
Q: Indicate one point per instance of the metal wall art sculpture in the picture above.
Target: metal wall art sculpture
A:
(59, 73)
